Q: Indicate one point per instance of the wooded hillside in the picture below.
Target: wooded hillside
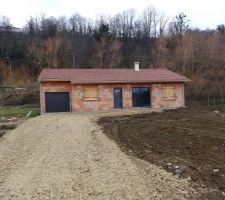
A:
(116, 42)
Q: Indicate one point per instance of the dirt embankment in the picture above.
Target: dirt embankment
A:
(184, 142)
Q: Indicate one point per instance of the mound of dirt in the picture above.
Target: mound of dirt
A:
(187, 143)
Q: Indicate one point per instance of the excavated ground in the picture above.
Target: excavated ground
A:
(187, 143)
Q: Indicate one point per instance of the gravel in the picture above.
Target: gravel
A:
(66, 156)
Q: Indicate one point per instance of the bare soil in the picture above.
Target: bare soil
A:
(67, 156)
(185, 139)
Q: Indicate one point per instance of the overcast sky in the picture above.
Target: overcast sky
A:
(202, 13)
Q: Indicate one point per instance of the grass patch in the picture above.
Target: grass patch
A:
(19, 111)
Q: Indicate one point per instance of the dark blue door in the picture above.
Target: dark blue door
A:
(118, 102)
(57, 102)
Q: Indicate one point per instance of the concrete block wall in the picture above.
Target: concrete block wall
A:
(105, 99)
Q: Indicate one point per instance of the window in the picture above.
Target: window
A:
(91, 94)
(141, 97)
(168, 92)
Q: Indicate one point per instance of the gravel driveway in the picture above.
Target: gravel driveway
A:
(66, 156)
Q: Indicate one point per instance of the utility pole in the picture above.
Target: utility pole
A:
(10, 68)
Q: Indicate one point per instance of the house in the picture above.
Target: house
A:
(83, 90)
(9, 29)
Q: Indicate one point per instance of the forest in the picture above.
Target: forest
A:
(149, 37)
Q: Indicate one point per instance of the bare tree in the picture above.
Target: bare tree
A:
(32, 26)
(149, 22)
(63, 25)
(162, 23)
(161, 52)
(179, 25)
(221, 28)
(78, 24)
(4, 21)
(128, 19)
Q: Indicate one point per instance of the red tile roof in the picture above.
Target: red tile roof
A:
(85, 76)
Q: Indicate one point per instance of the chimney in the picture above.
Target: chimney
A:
(136, 66)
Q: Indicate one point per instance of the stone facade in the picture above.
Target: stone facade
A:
(105, 95)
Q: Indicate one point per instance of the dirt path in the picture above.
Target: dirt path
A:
(66, 156)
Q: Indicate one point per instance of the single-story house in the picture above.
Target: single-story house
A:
(83, 90)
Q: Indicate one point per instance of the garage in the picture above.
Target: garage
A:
(57, 101)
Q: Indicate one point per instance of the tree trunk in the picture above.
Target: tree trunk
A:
(208, 100)
(214, 102)
(222, 97)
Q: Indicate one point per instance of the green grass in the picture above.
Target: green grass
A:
(19, 111)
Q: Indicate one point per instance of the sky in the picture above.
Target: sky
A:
(202, 13)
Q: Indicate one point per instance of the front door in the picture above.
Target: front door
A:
(118, 102)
